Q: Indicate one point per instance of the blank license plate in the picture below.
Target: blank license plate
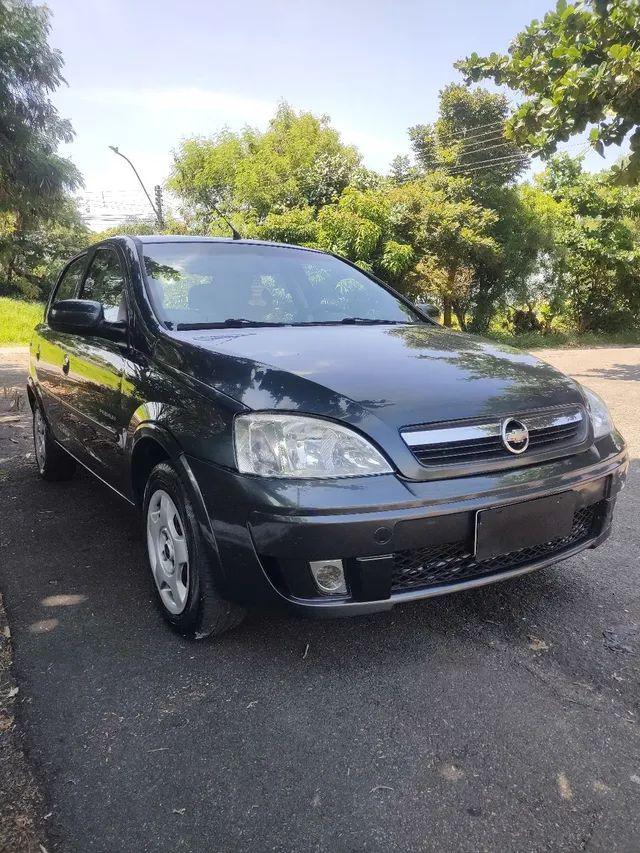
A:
(524, 525)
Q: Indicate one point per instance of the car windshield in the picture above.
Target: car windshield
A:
(196, 285)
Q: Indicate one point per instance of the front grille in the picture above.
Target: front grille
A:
(453, 562)
(476, 443)
(452, 452)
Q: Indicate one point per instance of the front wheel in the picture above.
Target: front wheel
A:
(52, 461)
(180, 566)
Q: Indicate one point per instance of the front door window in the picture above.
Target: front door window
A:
(105, 284)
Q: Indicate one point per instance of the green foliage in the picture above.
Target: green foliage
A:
(31, 258)
(566, 338)
(39, 226)
(360, 228)
(139, 227)
(450, 234)
(33, 178)
(448, 224)
(594, 250)
(522, 237)
(298, 226)
(577, 67)
(17, 320)
(298, 162)
(468, 138)
(467, 143)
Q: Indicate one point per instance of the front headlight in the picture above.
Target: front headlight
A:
(600, 417)
(273, 445)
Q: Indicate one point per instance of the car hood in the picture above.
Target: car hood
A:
(401, 375)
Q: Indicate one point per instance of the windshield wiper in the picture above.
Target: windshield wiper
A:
(242, 323)
(355, 321)
(229, 323)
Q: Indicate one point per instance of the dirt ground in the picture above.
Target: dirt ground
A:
(21, 804)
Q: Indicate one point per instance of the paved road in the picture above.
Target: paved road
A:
(490, 720)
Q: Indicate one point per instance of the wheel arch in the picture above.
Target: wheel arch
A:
(148, 451)
(34, 395)
(154, 443)
(31, 397)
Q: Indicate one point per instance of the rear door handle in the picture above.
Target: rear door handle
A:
(65, 365)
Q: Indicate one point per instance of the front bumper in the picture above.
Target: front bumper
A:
(267, 531)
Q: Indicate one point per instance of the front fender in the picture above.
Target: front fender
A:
(151, 430)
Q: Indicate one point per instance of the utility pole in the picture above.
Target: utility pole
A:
(159, 212)
(158, 215)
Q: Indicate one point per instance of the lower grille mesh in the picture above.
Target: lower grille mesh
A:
(453, 562)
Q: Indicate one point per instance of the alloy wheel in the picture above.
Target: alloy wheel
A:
(168, 551)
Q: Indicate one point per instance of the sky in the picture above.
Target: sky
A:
(144, 74)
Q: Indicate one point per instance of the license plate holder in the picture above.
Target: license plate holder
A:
(503, 529)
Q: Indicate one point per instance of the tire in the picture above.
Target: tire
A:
(52, 461)
(181, 570)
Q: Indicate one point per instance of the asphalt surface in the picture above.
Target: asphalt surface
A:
(501, 719)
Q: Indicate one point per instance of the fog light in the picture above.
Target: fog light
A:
(329, 576)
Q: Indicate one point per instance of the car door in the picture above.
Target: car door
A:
(96, 366)
(50, 358)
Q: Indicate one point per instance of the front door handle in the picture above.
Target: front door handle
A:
(65, 365)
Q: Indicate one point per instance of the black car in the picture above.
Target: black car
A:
(295, 431)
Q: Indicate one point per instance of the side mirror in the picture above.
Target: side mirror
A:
(431, 311)
(76, 315)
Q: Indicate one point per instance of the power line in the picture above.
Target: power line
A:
(480, 151)
(463, 134)
(485, 142)
(515, 162)
(490, 160)
(525, 157)
(489, 126)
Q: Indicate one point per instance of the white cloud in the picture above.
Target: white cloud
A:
(239, 107)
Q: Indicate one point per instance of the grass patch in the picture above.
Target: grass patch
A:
(17, 319)
(537, 340)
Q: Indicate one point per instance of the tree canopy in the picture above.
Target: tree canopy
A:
(38, 222)
(450, 223)
(32, 176)
(468, 137)
(579, 66)
(298, 162)
(593, 254)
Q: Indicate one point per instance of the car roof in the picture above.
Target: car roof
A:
(145, 239)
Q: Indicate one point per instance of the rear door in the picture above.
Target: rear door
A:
(96, 367)
(50, 357)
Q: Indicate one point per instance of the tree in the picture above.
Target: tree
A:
(593, 268)
(450, 234)
(298, 162)
(579, 66)
(204, 175)
(33, 178)
(521, 237)
(361, 227)
(299, 226)
(38, 223)
(468, 138)
(31, 258)
(467, 142)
